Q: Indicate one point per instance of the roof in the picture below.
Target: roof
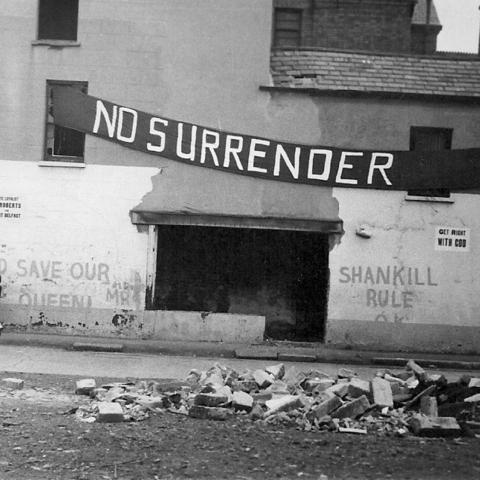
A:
(342, 71)
(420, 14)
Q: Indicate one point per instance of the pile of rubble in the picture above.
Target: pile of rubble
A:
(410, 401)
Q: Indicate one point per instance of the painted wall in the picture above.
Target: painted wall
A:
(395, 290)
(70, 258)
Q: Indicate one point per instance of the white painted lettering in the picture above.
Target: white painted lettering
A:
(110, 122)
(282, 154)
(254, 153)
(327, 165)
(343, 166)
(133, 130)
(381, 168)
(191, 154)
(153, 131)
(210, 146)
(231, 151)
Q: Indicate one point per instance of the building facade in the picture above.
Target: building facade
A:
(105, 231)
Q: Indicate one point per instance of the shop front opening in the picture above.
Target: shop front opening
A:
(280, 274)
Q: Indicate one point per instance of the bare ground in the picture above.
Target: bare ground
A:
(40, 439)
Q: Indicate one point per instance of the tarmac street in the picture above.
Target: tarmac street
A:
(27, 359)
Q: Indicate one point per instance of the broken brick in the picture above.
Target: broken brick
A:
(435, 427)
(282, 404)
(277, 371)
(242, 401)
(325, 408)
(209, 413)
(428, 406)
(12, 383)
(358, 387)
(382, 392)
(109, 412)
(419, 372)
(352, 409)
(263, 378)
(85, 386)
(210, 399)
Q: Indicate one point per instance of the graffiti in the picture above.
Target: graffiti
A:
(392, 298)
(382, 317)
(55, 300)
(387, 276)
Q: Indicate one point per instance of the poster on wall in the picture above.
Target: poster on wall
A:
(452, 239)
(10, 207)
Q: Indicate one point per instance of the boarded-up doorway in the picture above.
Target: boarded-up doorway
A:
(280, 274)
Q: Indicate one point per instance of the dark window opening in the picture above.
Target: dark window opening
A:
(430, 139)
(287, 27)
(58, 20)
(282, 275)
(61, 143)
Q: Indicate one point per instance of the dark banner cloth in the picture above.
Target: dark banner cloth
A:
(265, 158)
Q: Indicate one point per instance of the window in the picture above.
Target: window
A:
(58, 20)
(61, 143)
(430, 138)
(287, 27)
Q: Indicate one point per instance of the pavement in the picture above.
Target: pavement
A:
(281, 351)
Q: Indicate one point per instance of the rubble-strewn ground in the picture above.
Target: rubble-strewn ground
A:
(43, 438)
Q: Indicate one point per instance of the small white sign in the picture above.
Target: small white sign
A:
(452, 239)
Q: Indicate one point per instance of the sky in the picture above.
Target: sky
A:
(461, 24)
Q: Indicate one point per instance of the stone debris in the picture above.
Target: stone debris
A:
(12, 383)
(391, 403)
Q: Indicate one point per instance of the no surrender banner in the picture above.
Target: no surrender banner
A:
(265, 158)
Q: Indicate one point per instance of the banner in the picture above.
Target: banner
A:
(264, 158)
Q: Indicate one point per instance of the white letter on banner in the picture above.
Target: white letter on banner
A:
(161, 147)
(342, 166)
(281, 153)
(101, 110)
(133, 132)
(328, 164)
(256, 154)
(229, 150)
(382, 168)
(209, 146)
(191, 155)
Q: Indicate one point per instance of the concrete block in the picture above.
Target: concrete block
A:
(322, 385)
(209, 413)
(109, 412)
(278, 371)
(283, 404)
(435, 427)
(474, 382)
(242, 401)
(245, 385)
(358, 387)
(12, 383)
(149, 402)
(428, 406)
(326, 407)
(419, 372)
(352, 409)
(346, 373)
(382, 392)
(294, 376)
(278, 387)
(261, 397)
(210, 399)
(263, 378)
(339, 389)
(474, 398)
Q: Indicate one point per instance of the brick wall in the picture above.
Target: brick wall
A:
(371, 25)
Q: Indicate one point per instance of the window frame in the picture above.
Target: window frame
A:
(276, 29)
(52, 130)
(433, 194)
(60, 25)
